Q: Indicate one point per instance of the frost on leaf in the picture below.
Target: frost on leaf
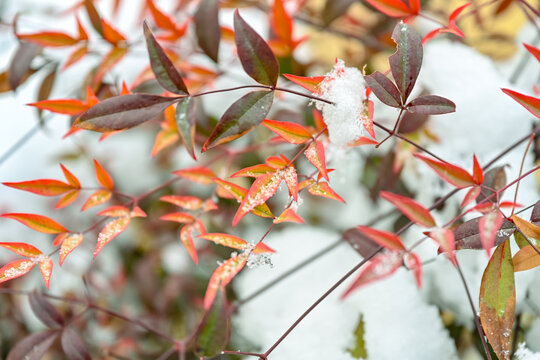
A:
(15, 269)
(345, 87)
(110, 231)
(223, 275)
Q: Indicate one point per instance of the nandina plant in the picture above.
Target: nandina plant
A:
(211, 206)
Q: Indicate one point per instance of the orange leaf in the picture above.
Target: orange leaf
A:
(261, 190)
(281, 22)
(201, 174)
(83, 34)
(22, 249)
(315, 155)
(253, 171)
(384, 238)
(164, 138)
(533, 50)
(528, 102)
(478, 173)
(179, 217)
(49, 39)
(529, 229)
(115, 211)
(526, 258)
(277, 162)
(162, 20)
(363, 140)
(289, 216)
(75, 56)
(109, 61)
(239, 193)
(37, 222)
(261, 248)
(186, 202)
(71, 179)
(413, 210)
(226, 240)
(291, 132)
(111, 230)
(396, 8)
(450, 173)
(97, 198)
(323, 189)
(15, 269)
(223, 275)
(311, 84)
(111, 34)
(44, 187)
(445, 238)
(291, 179)
(70, 243)
(379, 267)
(186, 236)
(46, 266)
(67, 199)
(71, 107)
(103, 176)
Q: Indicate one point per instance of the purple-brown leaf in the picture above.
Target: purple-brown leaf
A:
(33, 346)
(73, 345)
(384, 89)
(186, 120)
(207, 28)
(45, 311)
(431, 105)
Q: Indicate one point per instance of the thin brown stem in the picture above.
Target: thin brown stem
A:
(521, 171)
(390, 132)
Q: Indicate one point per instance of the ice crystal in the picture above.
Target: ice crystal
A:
(522, 353)
(345, 87)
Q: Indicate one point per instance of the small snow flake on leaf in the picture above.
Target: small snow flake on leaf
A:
(254, 171)
(37, 222)
(291, 179)
(46, 266)
(223, 276)
(186, 202)
(226, 240)
(239, 193)
(70, 243)
(323, 189)
(22, 249)
(111, 230)
(97, 198)
(315, 154)
(186, 237)
(15, 269)
(115, 211)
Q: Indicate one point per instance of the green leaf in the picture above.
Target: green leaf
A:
(186, 120)
(213, 332)
(359, 350)
(207, 28)
(241, 117)
(498, 300)
(122, 112)
(431, 105)
(162, 66)
(334, 9)
(384, 89)
(405, 63)
(256, 57)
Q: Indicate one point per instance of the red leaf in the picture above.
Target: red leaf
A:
(528, 102)
(471, 195)
(44, 187)
(262, 189)
(533, 50)
(311, 84)
(445, 238)
(46, 266)
(161, 19)
(414, 263)
(97, 198)
(384, 238)
(396, 8)
(315, 154)
(291, 132)
(380, 267)
(103, 176)
(22, 249)
(452, 20)
(186, 236)
(71, 107)
(450, 173)
(201, 175)
(15, 269)
(70, 243)
(223, 275)
(489, 225)
(111, 230)
(413, 210)
(179, 217)
(37, 222)
(281, 22)
(226, 240)
(288, 215)
(49, 39)
(323, 189)
(478, 173)
(239, 193)
(186, 202)
(110, 59)
(291, 179)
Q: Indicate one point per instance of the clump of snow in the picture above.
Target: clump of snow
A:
(522, 353)
(345, 87)
(399, 324)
